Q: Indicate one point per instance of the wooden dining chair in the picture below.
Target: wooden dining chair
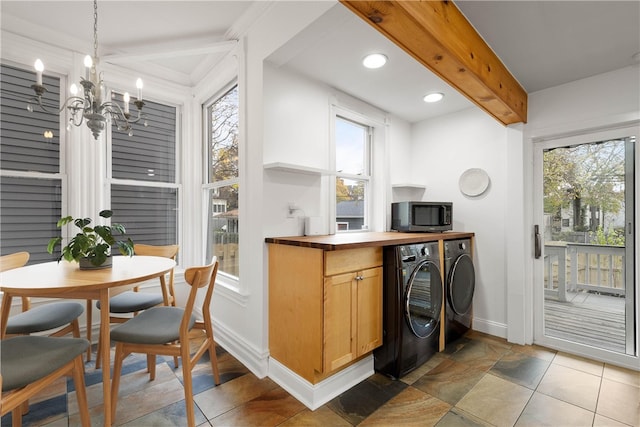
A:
(134, 301)
(165, 331)
(43, 318)
(29, 364)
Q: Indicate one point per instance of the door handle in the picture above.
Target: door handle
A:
(538, 248)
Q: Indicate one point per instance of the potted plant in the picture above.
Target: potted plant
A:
(91, 247)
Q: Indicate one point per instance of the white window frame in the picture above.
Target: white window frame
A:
(227, 280)
(110, 180)
(374, 187)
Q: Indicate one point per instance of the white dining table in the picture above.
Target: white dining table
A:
(66, 280)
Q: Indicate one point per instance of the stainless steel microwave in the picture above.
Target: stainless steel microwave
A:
(430, 217)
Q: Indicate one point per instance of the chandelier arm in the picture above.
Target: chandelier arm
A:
(76, 103)
(76, 119)
(71, 103)
(118, 115)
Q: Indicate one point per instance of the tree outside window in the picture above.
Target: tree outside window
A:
(222, 182)
(584, 192)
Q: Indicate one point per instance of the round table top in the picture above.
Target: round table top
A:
(68, 276)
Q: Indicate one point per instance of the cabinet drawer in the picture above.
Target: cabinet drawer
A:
(344, 261)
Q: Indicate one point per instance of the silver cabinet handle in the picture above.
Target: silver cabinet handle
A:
(538, 247)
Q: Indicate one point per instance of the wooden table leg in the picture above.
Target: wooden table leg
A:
(4, 317)
(105, 341)
(89, 326)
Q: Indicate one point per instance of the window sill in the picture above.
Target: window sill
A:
(229, 289)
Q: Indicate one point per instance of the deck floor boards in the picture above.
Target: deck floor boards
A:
(591, 319)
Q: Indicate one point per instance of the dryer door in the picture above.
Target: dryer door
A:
(423, 299)
(462, 282)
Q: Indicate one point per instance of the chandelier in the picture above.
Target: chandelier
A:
(95, 106)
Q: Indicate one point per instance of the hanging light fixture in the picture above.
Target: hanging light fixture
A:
(95, 105)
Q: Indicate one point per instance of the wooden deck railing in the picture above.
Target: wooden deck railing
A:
(576, 266)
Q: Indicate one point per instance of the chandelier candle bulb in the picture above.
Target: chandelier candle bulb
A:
(139, 86)
(127, 98)
(39, 66)
(99, 91)
(88, 63)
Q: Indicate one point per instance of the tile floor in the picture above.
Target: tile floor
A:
(478, 381)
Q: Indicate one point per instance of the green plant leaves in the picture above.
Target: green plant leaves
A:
(64, 221)
(81, 223)
(93, 243)
(126, 248)
(53, 243)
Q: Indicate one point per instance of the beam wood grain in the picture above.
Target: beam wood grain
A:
(438, 36)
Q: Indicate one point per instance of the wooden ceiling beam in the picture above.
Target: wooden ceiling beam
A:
(438, 36)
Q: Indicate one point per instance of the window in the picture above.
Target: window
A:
(144, 189)
(221, 185)
(31, 182)
(353, 175)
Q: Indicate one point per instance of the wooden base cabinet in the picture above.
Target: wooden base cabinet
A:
(325, 307)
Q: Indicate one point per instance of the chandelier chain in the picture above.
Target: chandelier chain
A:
(95, 29)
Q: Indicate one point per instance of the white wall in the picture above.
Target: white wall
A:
(296, 131)
(442, 149)
(603, 100)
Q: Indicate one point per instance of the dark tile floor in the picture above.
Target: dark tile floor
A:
(478, 381)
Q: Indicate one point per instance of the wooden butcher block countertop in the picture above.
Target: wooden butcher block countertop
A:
(340, 241)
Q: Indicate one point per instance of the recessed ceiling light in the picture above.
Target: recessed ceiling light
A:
(433, 97)
(374, 60)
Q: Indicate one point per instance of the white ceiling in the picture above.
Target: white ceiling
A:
(543, 44)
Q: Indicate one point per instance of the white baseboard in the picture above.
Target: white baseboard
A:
(490, 327)
(315, 395)
(255, 360)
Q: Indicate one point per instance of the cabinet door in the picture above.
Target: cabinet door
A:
(339, 320)
(369, 314)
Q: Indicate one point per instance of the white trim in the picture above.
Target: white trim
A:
(490, 327)
(172, 52)
(315, 395)
(255, 360)
(581, 128)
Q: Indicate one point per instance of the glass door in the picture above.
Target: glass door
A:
(585, 245)
(423, 300)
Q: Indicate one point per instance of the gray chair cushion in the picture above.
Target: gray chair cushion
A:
(159, 325)
(128, 302)
(44, 317)
(26, 359)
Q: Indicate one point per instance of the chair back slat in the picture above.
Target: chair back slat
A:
(197, 278)
(202, 279)
(15, 260)
(168, 251)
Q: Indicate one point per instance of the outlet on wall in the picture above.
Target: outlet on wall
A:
(291, 208)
